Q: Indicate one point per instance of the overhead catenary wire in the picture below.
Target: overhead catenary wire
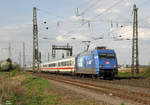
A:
(102, 12)
(116, 3)
(91, 6)
(91, 21)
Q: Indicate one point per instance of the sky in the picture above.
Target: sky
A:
(103, 22)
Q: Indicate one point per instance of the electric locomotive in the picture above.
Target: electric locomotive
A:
(98, 62)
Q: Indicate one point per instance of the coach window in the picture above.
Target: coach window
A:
(72, 63)
(68, 63)
(58, 63)
(65, 63)
(61, 63)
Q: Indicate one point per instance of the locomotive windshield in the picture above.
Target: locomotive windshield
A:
(107, 55)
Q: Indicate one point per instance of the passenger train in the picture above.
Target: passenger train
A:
(100, 62)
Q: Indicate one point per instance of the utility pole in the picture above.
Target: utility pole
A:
(9, 50)
(135, 54)
(19, 58)
(48, 57)
(24, 58)
(35, 42)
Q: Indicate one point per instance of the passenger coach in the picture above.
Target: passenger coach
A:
(60, 66)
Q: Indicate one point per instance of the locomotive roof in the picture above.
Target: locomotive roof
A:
(90, 52)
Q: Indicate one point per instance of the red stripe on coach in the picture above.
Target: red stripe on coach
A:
(56, 68)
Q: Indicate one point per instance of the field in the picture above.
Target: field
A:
(20, 88)
(144, 72)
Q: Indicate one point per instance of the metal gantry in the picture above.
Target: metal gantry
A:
(135, 54)
(35, 42)
(68, 48)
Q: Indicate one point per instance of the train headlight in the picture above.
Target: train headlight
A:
(114, 65)
(100, 66)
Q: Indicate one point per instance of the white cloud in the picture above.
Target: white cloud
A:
(100, 10)
(77, 36)
(114, 11)
(79, 18)
(127, 32)
(75, 18)
(14, 31)
(128, 4)
(149, 20)
(60, 38)
(144, 33)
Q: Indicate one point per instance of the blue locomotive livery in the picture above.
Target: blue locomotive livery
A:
(99, 62)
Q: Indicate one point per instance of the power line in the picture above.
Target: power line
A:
(92, 5)
(109, 8)
(118, 2)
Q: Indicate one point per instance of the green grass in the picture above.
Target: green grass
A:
(3, 73)
(25, 90)
(19, 88)
(37, 90)
(144, 73)
(124, 74)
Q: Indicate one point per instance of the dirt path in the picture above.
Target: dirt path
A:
(103, 99)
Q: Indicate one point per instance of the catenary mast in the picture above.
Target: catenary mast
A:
(35, 42)
(135, 53)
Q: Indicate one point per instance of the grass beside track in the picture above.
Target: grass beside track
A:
(20, 88)
(144, 73)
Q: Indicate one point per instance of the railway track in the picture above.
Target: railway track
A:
(138, 97)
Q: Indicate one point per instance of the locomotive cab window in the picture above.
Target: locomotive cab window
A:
(110, 55)
(102, 55)
(107, 55)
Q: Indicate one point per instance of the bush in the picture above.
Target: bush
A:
(146, 72)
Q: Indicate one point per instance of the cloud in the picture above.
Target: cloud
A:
(75, 36)
(14, 32)
(127, 4)
(79, 37)
(75, 18)
(60, 38)
(79, 18)
(115, 11)
(149, 20)
(100, 10)
(126, 32)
